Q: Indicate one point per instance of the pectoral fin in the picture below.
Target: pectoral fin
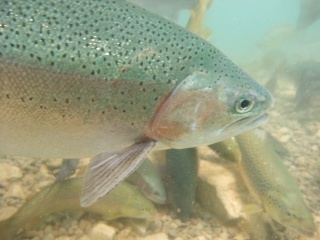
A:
(107, 170)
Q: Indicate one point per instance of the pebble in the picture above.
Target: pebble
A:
(283, 130)
(44, 173)
(314, 148)
(157, 236)
(8, 172)
(318, 133)
(285, 138)
(85, 225)
(84, 237)
(7, 212)
(217, 191)
(140, 228)
(178, 238)
(54, 163)
(102, 231)
(63, 238)
(49, 237)
(15, 191)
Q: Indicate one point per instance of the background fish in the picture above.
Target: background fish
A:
(271, 184)
(148, 180)
(306, 78)
(309, 13)
(88, 77)
(124, 201)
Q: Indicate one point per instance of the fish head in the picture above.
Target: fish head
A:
(290, 211)
(208, 107)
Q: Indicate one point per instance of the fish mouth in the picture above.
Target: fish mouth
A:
(247, 123)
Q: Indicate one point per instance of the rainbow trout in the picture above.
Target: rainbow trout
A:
(112, 80)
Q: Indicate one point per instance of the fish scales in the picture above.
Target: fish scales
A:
(81, 78)
(271, 183)
(104, 43)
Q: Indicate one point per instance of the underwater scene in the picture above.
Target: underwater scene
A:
(159, 119)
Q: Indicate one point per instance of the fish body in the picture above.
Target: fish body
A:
(124, 201)
(306, 78)
(81, 78)
(270, 182)
(228, 149)
(181, 180)
(67, 168)
(148, 180)
(309, 13)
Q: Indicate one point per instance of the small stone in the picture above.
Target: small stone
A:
(48, 229)
(283, 130)
(63, 238)
(314, 148)
(7, 212)
(102, 231)
(54, 163)
(318, 133)
(15, 191)
(49, 237)
(78, 232)
(200, 238)
(285, 138)
(141, 229)
(155, 225)
(44, 173)
(8, 172)
(157, 236)
(217, 191)
(85, 225)
(85, 237)
(173, 232)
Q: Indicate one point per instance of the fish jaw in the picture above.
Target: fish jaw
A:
(202, 110)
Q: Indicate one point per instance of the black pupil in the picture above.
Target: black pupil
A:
(245, 104)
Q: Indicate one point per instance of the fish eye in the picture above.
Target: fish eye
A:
(244, 105)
